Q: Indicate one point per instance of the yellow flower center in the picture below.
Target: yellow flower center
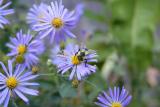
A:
(21, 49)
(116, 104)
(75, 60)
(20, 59)
(57, 23)
(11, 82)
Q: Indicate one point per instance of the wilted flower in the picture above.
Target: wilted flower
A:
(115, 98)
(36, 12)
(77, 60)
(25, 49)
(79, 10)
(4, 12)
(15, 82)
(57, 23)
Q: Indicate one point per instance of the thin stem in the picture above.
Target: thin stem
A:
(53, 74)
(48, 74)
(92, 85)
(14, 103)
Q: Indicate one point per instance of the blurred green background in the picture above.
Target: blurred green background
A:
(126, 36)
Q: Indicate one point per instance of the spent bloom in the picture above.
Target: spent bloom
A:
(25, 49)
(16, 82)
(115, 98)
(36, 12)
(79, 10)
(4, 12)
(77, 60)
(56, 23)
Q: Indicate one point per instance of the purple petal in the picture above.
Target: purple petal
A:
(25, 99)
(10, 67)
(4, 68)
(27, 91)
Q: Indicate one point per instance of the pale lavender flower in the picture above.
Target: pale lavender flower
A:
(4, 12)
(57, 23)
(77, 60)
(16, 82)
(36, 12)
(25, 49)
(115, 98)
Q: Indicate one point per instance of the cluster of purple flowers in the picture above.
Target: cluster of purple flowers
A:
(53, 22)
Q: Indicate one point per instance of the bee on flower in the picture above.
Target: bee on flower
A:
(25, 49)
(77, 60)
(4, 12)
(16, 82)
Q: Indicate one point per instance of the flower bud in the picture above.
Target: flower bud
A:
(19, 59)
(75, 83)
(35, 69)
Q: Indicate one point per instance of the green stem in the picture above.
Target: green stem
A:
(48, 74)
(14, 103)
(53, 74)
(92, 85)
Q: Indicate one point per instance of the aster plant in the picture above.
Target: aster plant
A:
(115, 98)
(77, 60)
(56, 23)
(25, 49)
(4, 12)
(16, 82)
(53, 23)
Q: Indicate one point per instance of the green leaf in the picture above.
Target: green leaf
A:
(133, 21)
(133, 25)
(145, 16)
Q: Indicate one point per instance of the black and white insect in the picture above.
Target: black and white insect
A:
(81, 54)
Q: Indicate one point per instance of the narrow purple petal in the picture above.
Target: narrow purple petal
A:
(25, 99)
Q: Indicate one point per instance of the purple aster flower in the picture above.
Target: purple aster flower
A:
(25, 49)
(36, 12)
(56, 23)
(115, 98)
(4, 12)
(15, 82)
(77, 60)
